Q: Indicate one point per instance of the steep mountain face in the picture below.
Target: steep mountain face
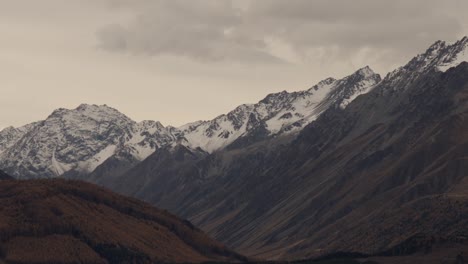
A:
(440, 56)
(98, 142)
(71, 142)
(380, 174)
(277, 114)
(395, 178)
(57, 221)
(158, 169)
(10, 135)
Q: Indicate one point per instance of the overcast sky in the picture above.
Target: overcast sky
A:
(178, 61)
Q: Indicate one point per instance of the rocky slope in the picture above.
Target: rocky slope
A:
(346, 183)
(57, 221)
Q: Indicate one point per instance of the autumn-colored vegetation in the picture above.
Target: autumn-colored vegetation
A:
(59, 221)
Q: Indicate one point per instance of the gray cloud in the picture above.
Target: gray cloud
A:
(355, 24)
(204, 30)
(246, 30)
(181, 52)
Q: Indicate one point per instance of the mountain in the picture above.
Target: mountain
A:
(279, 113)
(76, 141)
(97, 142)
(439, 56)
(58, 221)
(10, 135)
(382, 174)
(352, 165)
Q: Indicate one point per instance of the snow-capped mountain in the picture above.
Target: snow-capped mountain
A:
(279, 113)
(364, 167)
(404, 140)
(77, 141)
(10, 135)
(439, 56)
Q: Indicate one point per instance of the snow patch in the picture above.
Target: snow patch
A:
(460, 57)
(58, 167)
(91, 164)
(366, 85)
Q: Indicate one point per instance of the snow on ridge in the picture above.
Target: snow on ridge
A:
(366, 72)
(367, 86)
(439, 56)
(78, 140)
(58, 167)
(460, 55)
(301, 110)
(279, 113)
(81, 139)
(91, 164)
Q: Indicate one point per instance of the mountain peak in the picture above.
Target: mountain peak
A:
(83, 107)
(150, 125)
(366, 72)
(462, 41)
(98, 113)
(270, 98)
(454, 55)
(437, 45)
(8, 129)
(323, 83)
(89, 108)
(440, 56)
(350, 87)
(363, 74)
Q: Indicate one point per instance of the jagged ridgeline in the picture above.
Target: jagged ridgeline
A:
(76, 142)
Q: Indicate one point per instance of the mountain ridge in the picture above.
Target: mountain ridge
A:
(76, 142)
(282, 200)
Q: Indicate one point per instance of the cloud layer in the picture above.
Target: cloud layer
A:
(177, 61)
(204, 30)
(277, 30)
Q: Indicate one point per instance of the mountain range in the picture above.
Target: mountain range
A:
(398, 149)
(77, 141)
(359, 164)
